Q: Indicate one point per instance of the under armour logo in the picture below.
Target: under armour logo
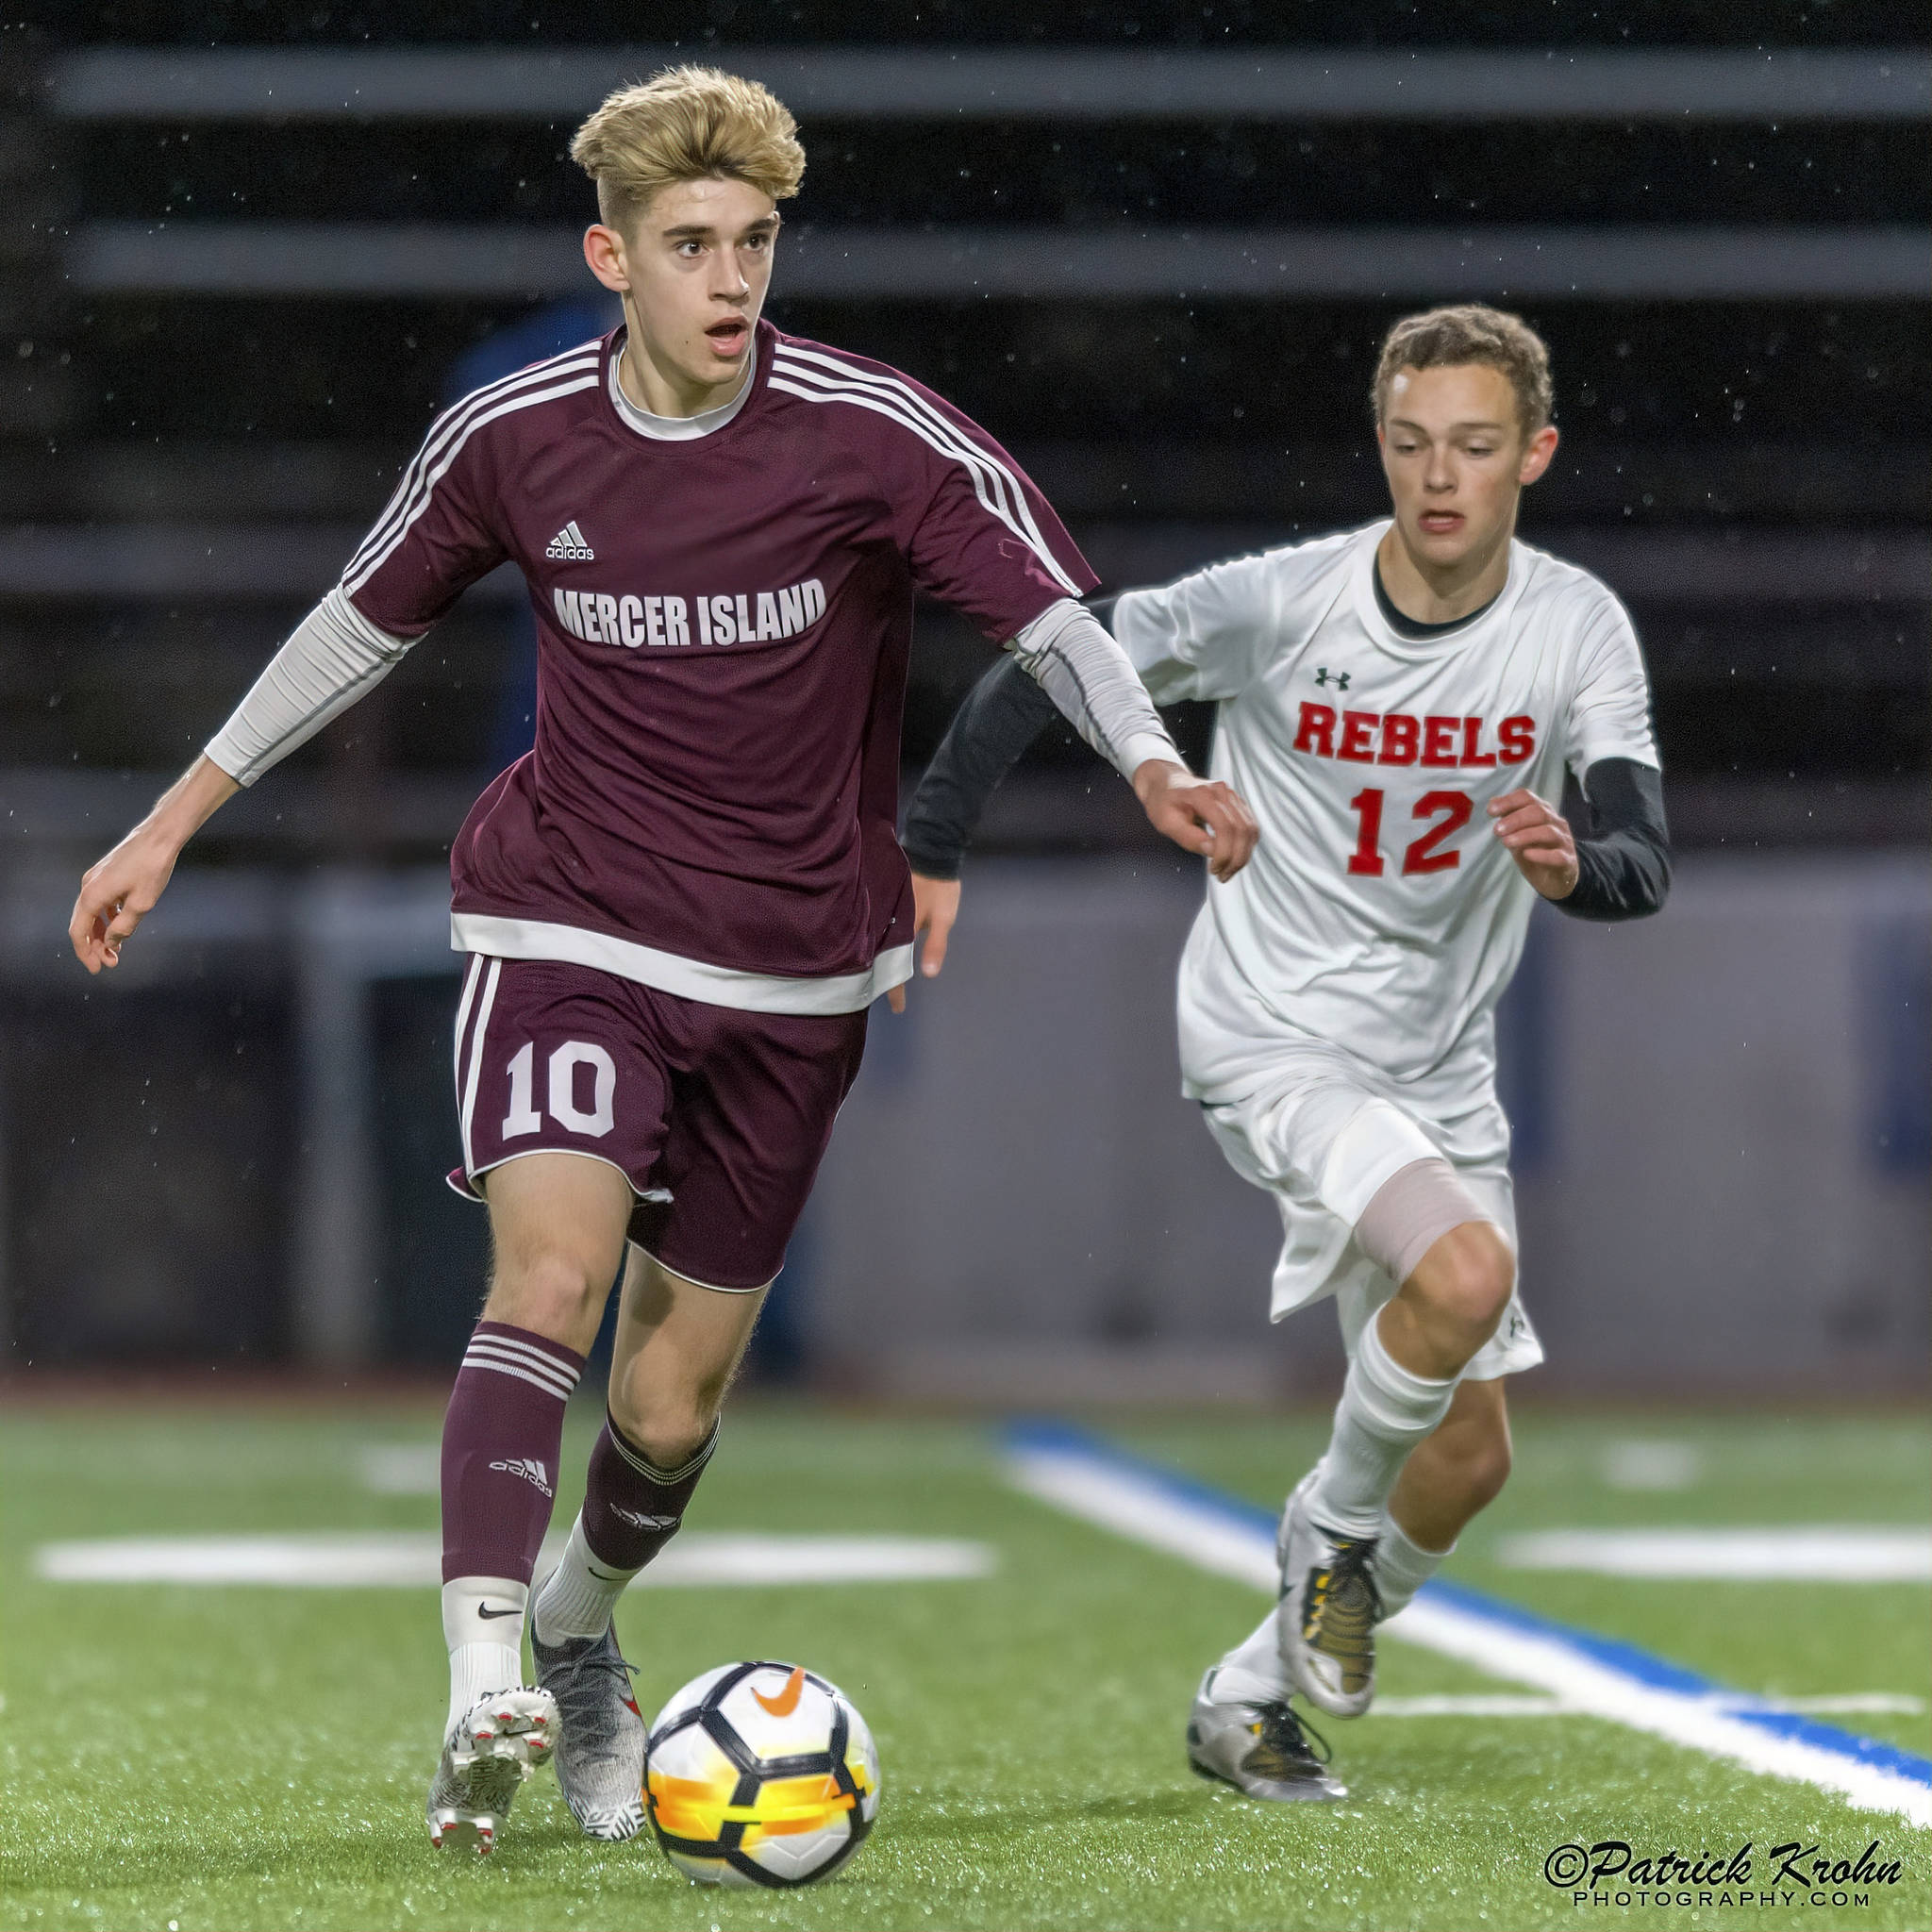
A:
(1338, 679)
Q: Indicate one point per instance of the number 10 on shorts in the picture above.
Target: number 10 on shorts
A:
(561, 1099)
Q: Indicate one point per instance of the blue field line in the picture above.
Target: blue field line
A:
(1626, 1659)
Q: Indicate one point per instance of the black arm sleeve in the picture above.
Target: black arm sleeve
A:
(1624, 867)
(1003, 714)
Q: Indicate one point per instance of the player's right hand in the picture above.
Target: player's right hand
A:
(119, 892)
(1200, 815)
(935, 907)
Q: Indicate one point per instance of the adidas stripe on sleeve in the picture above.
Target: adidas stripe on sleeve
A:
(437, 536)
(431, 541)
(976, 532)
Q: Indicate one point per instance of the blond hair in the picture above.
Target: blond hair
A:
(1470, 332)
(688, 123)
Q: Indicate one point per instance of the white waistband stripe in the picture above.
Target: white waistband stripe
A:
(690, 979)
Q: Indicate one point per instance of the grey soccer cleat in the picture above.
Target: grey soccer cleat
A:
(1262, 1750)
(600, 1743)
(1329, 1609)
(485, 1759)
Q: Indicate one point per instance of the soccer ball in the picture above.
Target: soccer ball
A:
(761, 1773)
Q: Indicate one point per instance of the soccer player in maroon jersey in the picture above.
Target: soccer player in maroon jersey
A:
(679, 906)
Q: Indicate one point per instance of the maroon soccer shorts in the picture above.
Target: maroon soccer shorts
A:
(718, 1118)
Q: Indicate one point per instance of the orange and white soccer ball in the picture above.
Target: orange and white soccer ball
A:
(761, 1773)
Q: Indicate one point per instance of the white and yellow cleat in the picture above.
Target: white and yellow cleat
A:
(502, 1740)
(1329, 1610)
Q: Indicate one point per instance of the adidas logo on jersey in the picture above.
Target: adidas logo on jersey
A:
(569, 545)
(529, 1469)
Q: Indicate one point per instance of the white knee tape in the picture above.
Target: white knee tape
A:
(1410, 1212)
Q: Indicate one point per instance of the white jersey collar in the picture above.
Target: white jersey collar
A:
(1428, 650)
(679, 428)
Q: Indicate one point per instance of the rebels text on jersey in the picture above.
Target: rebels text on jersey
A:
(723, 623)
(1379, 912)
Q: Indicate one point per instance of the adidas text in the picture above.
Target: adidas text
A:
(569, 546)
(529, 1469)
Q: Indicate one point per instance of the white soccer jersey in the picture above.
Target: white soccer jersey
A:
(1379, 914)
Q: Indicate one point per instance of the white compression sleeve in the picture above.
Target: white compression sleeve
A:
(332, 658)
(1068, 653)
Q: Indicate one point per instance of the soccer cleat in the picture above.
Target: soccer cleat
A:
(1262, 1750)
(1329, 1608)
(500, 1743)
(600, 1740)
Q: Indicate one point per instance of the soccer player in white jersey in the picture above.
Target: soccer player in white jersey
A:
(1398, 704)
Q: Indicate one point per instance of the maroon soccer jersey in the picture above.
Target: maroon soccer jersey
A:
(723, 625)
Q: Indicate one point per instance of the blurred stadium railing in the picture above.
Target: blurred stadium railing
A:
(236, 280)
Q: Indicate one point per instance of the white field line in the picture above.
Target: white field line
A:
(402, 1469)
(1637, 1464)
(1511, 1703)
(413, 1559)
(1803, 1553)
(1118, 1497)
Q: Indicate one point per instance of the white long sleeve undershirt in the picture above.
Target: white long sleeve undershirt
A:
(1069, 655)
(332, 658)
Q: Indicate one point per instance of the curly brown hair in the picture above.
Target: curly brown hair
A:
(1470, 332)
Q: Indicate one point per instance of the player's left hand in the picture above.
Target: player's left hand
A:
(1539, 839)
(1200, 815)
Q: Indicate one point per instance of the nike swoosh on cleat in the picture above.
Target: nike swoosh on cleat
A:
(484, 1611)
(787, 1700)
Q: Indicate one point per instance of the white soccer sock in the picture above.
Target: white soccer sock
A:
(1251, 1671)
(483, 1626)
(581, 1595)
(1402, 1566)
(1383, 1412)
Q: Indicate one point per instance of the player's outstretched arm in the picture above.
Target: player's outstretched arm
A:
(1201, 815)
(1091, 680)
(334, 656)
(120, 891)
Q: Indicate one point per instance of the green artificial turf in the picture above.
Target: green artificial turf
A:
(256, 1758)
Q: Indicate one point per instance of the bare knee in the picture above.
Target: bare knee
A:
(1466, 1278)
(550, 1290)
(670, 1437)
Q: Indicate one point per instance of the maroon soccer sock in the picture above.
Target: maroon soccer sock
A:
(500, 1441)
(632, 1508)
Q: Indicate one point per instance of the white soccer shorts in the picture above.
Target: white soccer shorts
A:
(1321, 1137)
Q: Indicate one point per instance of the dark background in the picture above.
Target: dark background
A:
(1781, 445)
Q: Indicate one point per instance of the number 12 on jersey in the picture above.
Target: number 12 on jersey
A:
(1450, 809)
